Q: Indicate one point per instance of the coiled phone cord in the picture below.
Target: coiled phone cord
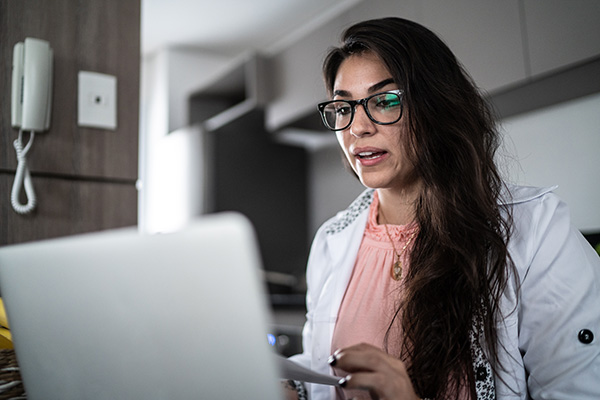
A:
(23, 177)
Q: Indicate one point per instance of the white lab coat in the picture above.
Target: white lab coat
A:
(541, 351)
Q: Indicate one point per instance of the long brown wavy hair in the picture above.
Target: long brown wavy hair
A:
(459, 264)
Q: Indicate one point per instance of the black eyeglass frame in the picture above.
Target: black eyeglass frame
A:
(362, 102)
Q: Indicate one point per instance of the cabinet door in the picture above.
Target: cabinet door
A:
(67, 207)
(485, 35)
(561, 33)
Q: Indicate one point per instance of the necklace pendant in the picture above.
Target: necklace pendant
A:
(397, 270)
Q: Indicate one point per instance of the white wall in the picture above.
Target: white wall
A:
(168, 194)
(559, 145)
(154, 123)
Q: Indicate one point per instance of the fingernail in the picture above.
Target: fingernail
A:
(342, 382)
(332, 360)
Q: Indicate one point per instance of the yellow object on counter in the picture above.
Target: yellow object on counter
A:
(3, 318)
(5, 339)
(5, 335)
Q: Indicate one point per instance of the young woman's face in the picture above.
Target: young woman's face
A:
(377, 153)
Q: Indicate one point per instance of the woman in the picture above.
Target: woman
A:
(440, 281)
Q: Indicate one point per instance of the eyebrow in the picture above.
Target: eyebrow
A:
(372, 89)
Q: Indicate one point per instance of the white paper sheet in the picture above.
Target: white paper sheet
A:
(291, 370)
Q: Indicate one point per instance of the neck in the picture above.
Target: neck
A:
(397, 207)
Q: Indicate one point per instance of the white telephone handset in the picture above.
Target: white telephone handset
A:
(31, 106)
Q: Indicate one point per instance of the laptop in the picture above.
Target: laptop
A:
(122, 315)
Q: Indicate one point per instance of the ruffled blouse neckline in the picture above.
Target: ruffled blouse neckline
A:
(378, 232)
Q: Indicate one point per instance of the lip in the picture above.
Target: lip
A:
(375, 155)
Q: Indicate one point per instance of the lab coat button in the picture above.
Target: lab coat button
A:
(480, 373)
(586, 336)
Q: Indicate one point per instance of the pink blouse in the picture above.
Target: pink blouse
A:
(371, 298)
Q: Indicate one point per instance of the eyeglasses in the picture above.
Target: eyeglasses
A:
(382, 108)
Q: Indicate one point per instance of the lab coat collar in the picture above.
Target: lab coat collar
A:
(512, 194)
(344, 233)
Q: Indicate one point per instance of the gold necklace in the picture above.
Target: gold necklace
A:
(396, 271)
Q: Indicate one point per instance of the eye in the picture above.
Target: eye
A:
(386, 102)
(343, 109)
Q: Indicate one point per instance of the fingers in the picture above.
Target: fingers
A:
(370, 368)
(380, 386)
(364, 357)
(363, 380)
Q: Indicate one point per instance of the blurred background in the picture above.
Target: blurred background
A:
(240, 81)
(216, 104)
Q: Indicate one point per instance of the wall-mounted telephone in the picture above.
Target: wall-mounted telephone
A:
(31, 105)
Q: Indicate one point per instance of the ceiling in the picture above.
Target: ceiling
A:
(231, 27)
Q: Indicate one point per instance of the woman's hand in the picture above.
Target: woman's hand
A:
(293, 390)
(289, 391)
(370, 368)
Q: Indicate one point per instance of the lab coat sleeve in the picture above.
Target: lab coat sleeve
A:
(560, 305)
(314, 277)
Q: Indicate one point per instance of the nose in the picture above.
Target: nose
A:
(362, 124)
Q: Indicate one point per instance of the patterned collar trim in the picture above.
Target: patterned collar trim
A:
(348, 216)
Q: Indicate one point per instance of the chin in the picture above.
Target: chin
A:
(374, 183)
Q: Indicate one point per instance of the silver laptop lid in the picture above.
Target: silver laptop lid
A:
(119, 315)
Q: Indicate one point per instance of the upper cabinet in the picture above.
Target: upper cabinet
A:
(296, 78)
(561, 33)
(241, 88)
(503, 45)
(485, 35)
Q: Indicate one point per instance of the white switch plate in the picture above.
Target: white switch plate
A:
(97, 100)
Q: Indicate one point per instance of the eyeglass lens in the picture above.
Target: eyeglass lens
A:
(383, 108)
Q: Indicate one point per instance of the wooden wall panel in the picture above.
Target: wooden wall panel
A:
(84, 178)
(67, 207)
(86, 35)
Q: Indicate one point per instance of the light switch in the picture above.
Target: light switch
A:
(97, 100)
